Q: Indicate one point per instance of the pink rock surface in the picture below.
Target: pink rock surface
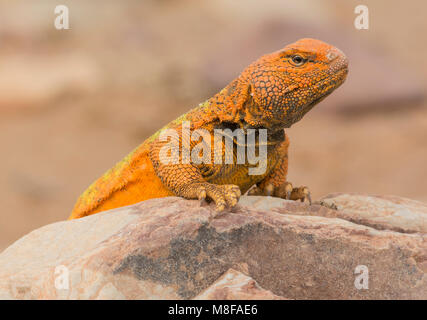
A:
(234, 285)
(172, 248)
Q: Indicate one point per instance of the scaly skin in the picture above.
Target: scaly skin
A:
(272, 93)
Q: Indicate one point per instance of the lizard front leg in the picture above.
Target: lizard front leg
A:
(275, 184)
(185, 179)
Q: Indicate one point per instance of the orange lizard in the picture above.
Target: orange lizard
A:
(272, 93)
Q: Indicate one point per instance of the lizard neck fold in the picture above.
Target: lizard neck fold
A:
(236, 104)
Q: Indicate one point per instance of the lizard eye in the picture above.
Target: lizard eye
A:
(297, 60)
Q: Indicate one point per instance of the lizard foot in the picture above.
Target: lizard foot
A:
(226, 195)
(301, 193)
(285, 191)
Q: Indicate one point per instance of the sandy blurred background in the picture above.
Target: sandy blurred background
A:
(74, 102)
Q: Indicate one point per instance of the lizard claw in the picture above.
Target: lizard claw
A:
(269, 190)
(309, 197)
(284, 191)
(202, 196)
(232, 195)
(224, 196)
(301, 193)
(255, 191)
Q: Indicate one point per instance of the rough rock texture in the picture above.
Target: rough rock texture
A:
(234, 285)
(381, 212)
(172, 248)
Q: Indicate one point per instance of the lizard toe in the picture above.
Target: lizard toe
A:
(301, 193)
(269, 190)
(224, 195)
(220, 204)
(232, 196)
(255, 191)
(284, 191)
(202, 195)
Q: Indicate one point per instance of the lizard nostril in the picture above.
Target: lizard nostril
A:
(337, 58)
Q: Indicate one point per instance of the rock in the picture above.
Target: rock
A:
(234, 285)
(381, 212)
(172, 248)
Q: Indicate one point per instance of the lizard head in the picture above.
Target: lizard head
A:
(286, 84)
